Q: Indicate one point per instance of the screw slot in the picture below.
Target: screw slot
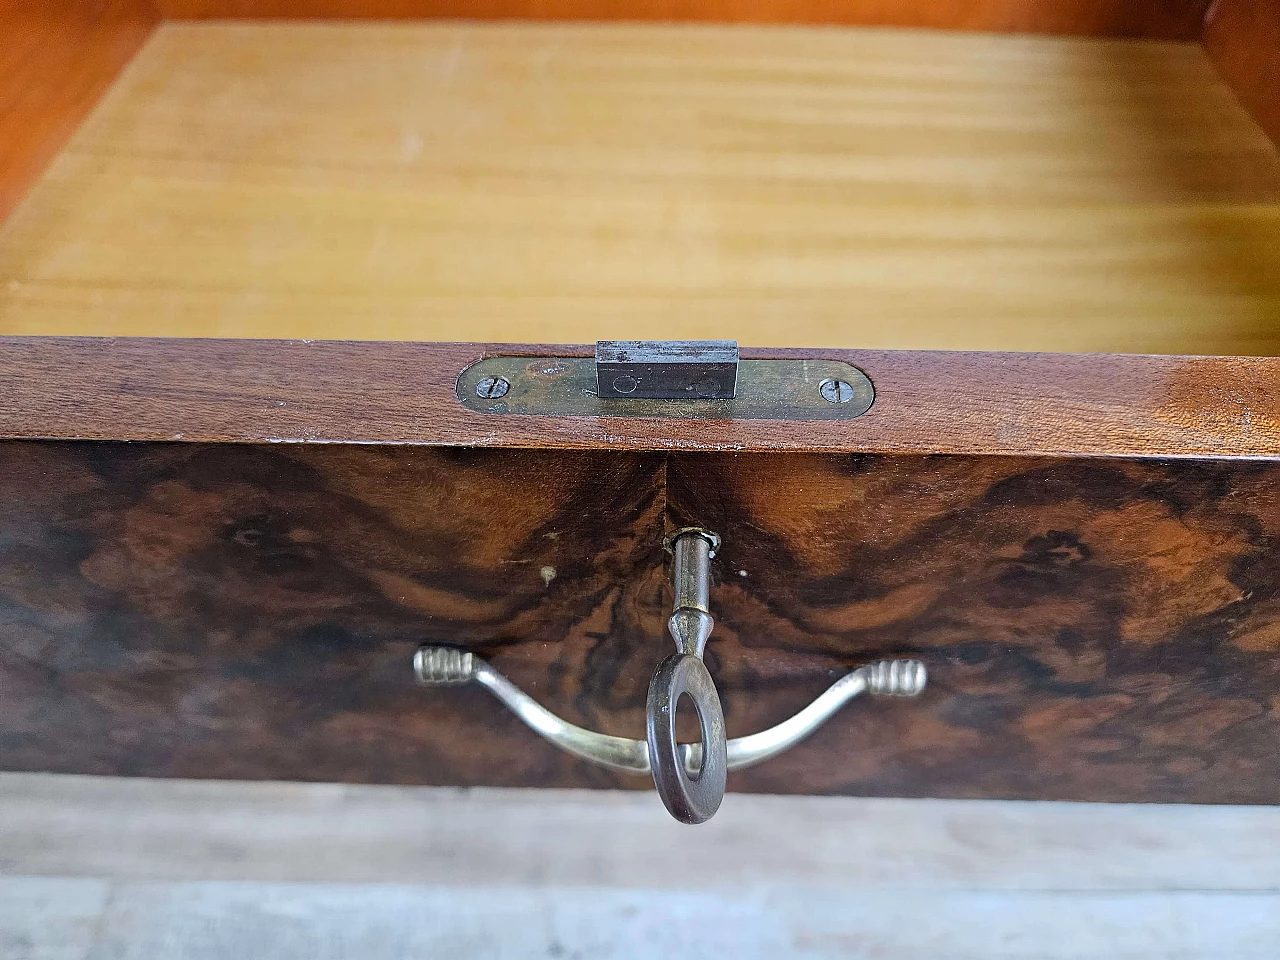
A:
(836, 391)
(491, 388)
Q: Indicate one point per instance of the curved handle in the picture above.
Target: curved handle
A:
(444, 666)
(689, 777)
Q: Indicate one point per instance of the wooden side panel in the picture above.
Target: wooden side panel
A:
(1095, 629)
(56, 59)
(1242, 38)
(1163, 19)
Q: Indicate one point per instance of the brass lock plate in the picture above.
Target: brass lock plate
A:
(790, 389)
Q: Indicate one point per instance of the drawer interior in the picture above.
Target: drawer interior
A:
(778, 185)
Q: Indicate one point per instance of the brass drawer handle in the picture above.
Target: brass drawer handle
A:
(445, 666)
(690, 788)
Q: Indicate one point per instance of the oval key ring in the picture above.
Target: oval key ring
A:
(689, 797)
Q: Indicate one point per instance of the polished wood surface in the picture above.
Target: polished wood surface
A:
(1161, 19)
(306, 392)
(1099, 629)
(1102, 629)
(780, 186)
(1242, 38)
(184, 600)
(56, 59)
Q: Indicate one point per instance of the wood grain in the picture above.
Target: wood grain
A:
(59, 56)
(328, 392)
(1096, 629)
(1242, 38)
(191, 603)
(1159, 19)
(568, 183)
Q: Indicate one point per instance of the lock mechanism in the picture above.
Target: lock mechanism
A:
(689, 777)
(666, 369)
(688, 379)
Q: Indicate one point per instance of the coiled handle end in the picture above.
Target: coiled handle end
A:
(443, 666)
(896, 678)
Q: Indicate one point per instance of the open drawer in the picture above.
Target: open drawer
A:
(239, 497)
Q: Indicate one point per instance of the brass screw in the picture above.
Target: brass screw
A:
(836, 391)
(491, 388)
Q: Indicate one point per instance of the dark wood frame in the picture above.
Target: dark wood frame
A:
(273, 391)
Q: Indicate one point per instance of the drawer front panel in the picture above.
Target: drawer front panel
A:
(1096, 629)
(252, 611)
